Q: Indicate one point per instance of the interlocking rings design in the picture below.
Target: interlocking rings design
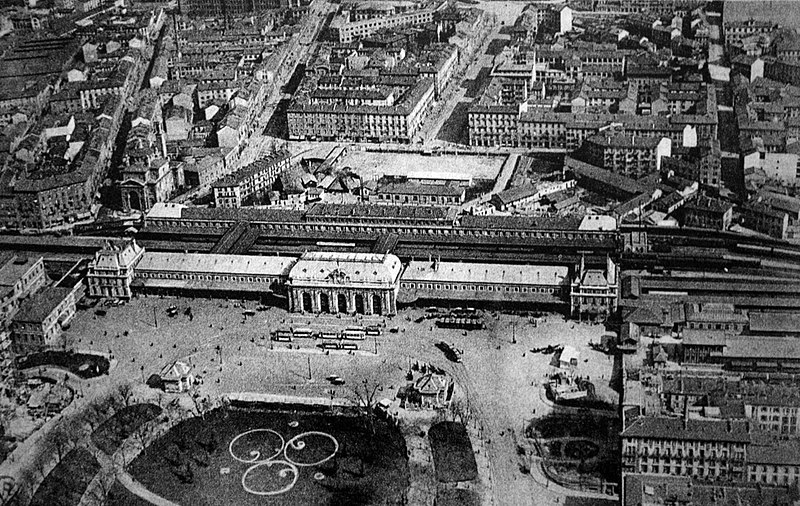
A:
(289, 466)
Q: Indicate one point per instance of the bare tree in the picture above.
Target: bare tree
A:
(201, 405)
(125, 393)
(62, 441)
(364, 395)
(143, 435)
(98, 493)
(160, 399)
(94, 414)
(460, 410)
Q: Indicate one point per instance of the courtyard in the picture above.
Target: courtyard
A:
(373, 165)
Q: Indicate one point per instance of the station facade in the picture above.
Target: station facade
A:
(362, 283)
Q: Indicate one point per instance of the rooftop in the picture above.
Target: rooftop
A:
(782, 453)
(749, 347)
(14, 268)
(470, 272)
(346, 268)
(641, 489)
(782, 323)
(652, 427)
(38, 307)
(156, 261)
(595, 173)
(409, 188)
(357, 211)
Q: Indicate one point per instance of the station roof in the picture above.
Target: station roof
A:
(775, 322)
(346, 268)
(472, 272)
(750, 347)
(158, 261)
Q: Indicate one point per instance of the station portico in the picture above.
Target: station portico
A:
(362, 283)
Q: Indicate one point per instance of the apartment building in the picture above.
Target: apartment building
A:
(712, 449)
(239, 188)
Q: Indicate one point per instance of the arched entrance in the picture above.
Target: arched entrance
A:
(359, 303)
(376, 304)
(324, 303)
(134, 202)
(306, 299)
(342, 303)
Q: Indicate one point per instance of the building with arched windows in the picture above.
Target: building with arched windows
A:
(362, 283)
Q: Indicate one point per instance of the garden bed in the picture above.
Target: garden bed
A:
(453, 457)
(110, 435)
(67, 482)
(233, 456)
(81, 364)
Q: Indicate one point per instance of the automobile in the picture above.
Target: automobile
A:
(101, 312)
(172, 310)
(335, 380)
(394, 330)
(449, 352)
(108, 303)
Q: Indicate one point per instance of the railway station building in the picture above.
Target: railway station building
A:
(434, 280)
(362, 283)
(210, 275)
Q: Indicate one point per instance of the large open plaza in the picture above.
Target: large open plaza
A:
(499, 377)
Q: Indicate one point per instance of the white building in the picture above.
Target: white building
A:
(362, 283)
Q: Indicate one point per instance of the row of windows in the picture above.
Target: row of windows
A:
(417, 198)
(371, 224)
(479, 288)
(207, 277)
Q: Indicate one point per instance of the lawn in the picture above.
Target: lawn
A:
(120, 496)
(453, 456)
(242, 457)
(84, 365)
(587, 425)
(67, 482)
(110, 435)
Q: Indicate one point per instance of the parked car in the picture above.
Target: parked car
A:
(449, 352)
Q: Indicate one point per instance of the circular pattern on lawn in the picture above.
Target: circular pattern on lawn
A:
(298, 443)
(251, 436)
(283, 473)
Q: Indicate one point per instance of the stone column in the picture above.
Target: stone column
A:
(367, 302)
(388, 305)
(333, 302)
(351, 302)
(315, 301)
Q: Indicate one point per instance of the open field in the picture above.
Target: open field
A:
(372, 165)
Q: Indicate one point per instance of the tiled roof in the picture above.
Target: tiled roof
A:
(651, 427)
